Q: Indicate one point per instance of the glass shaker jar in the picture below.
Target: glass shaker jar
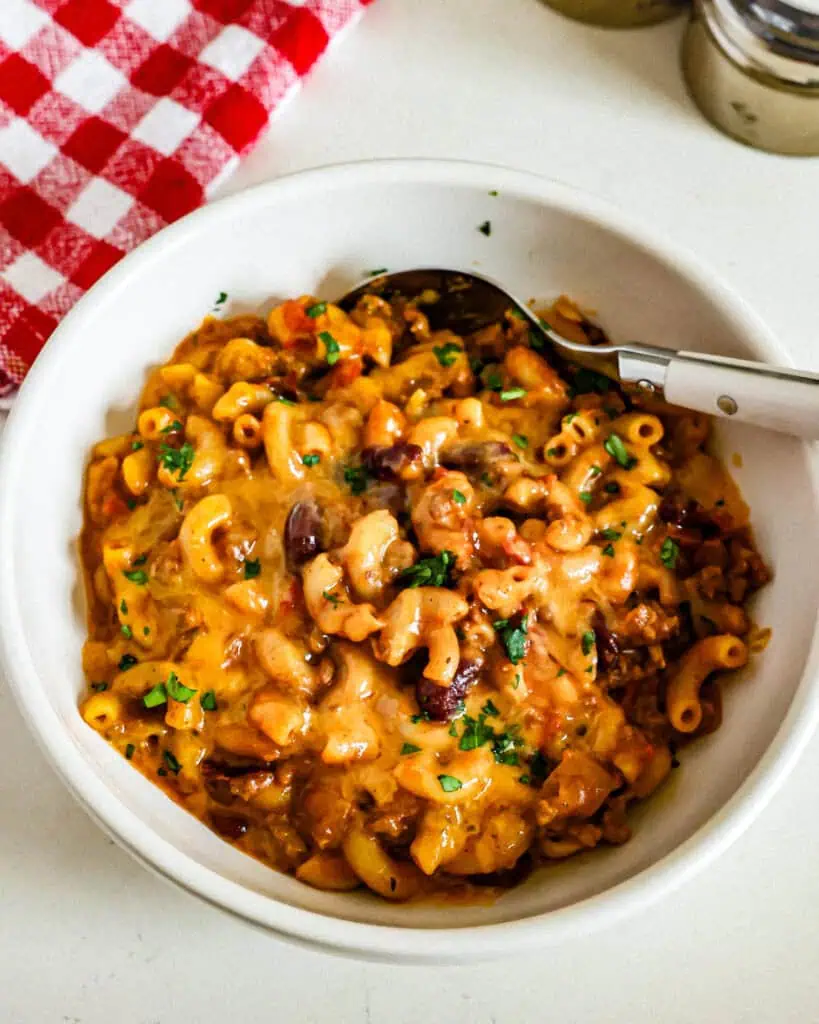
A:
(752, 67)
(619, 13)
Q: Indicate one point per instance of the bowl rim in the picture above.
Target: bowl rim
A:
(310, 928)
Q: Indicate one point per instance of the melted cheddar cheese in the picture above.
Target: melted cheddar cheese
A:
(390, 606)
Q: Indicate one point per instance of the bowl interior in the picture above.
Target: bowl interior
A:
(319, 234)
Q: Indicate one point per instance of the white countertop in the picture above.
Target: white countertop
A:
(88, 936)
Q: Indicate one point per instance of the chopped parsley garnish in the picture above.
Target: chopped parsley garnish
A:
(131, 503)
(669, 553)
(123, 606)
(521, 440)
(609, 550)
(285, 400)
(168, 402)
(177, 690)
(429, 572)
(156, 696)
(595, 471)
(316, 309)
(569, 417)
(129, 751)
(490, 709)
(511, 394)
(172, 428)
(126, 661)
(422, 716)
(141, 560)
(459, 497)
(586, 497)
(513, 638)
(525, 779)
(99, 687)
(356, 477)
(486, 480)
(504, 748)
(310, 460)
(177, 460)
(222, 298)
(452, 730)
(612, 487)
(586, 381)
(252, 568)
(561, 672)
(136, 445)
(617, 450)
(334, 601)
(551, 452)
(138, 576)
(476, 733)
(410, 748)
(492, 380)
(587, 641)
(609, 534)
(332, 347)
(449, 784)
(146, 631)
(485, 228)
(377, 272)
(493, 192)
(208, 701)
(177, 500)
(171, 762)
(536, 342)
(447, 354)
(126, 631)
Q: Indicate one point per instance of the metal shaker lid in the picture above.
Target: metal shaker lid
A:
(775, 38)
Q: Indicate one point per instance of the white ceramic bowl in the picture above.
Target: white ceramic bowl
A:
(318, 232)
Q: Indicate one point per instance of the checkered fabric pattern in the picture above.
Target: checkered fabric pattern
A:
(116, 118)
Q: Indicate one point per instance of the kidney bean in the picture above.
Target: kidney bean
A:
(386, 462)
(441, 702)
(302, 532)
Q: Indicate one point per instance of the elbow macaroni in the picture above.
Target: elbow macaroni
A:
(381, 616)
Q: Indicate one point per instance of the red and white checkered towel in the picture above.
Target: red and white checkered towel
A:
(116, 118)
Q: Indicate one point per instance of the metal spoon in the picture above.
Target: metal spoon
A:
(776, 398)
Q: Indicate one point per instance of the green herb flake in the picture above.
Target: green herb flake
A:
(208, 701)
(551, 452)
(586, 497)
(503, 749)
(459, 497)
(177, 460)
(429, 572)
(162, 771)
(252, 568)
(617, 450)
(334, 601)
(476, 733)
(521, 440)
(422, 716)
(609, 534)
(138, 576)
(123, 606)
(561, 672)
(177, 690)
(589, 381)
(608, 550)
(492, 380)
(168, 402)
(285, 400)
(452, 730)
(410, 748)
(146, 631)
(99, 687)
(129, 751)
(126, 661)
(141, 560)
(317, 309)
(493, 192)
(511, 394)
(156, 696)
(449, 784)
(669, 553)
(126, 631)
(177, 500)
(171, 762)
(172, 428)
(536, 342)
(612, 487)
(356, 477)
(513, 638)
(486, 480)
(376, 273)
(332, 347)
(525, 779)
(485, 228)
(221, 298)
(490, 709)
(595, 471)
(447, 354)
(569, 417)
(310, 460)
(137, 445)
(587, 641)
(131, 503)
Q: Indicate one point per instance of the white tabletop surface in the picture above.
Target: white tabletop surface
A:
(88, 936)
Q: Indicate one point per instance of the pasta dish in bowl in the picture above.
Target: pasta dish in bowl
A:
(368, 609)
(387, 605)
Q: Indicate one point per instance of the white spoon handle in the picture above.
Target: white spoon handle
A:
(770, 397)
